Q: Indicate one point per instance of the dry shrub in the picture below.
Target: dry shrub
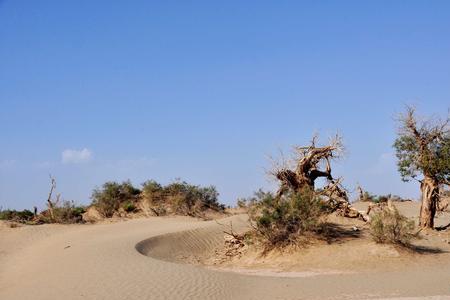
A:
(389, 226)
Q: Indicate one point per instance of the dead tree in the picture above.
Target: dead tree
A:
(309, 164)
(51, 204)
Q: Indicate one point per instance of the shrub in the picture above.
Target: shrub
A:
(192, 200)
(68, 213)
(389, 226)
(367, 197)
(181, 198)
(129, 207)
(113, 195)
(20, 216)
(178, 197)
(153, 192)
(284, 221)
(241, 203)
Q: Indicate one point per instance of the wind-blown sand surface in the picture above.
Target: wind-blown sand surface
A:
(146, 259)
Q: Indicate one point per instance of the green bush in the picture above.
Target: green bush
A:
(65, 213)
(178, 197)
(389, 226)
(181, 198)
(68, 213)
(20, 216)
(153, 192)
(284, 221)
(129, 207)
(113, 195)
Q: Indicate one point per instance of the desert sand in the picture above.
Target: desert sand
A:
(160, 258)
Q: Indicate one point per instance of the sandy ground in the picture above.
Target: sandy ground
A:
(146, 259)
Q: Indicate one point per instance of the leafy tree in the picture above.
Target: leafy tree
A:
(423, 152)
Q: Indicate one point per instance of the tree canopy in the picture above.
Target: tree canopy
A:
(423, 149)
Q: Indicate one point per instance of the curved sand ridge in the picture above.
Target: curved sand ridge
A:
(189, 246)
(101, 262)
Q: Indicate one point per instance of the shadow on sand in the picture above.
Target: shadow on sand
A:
(335, 233)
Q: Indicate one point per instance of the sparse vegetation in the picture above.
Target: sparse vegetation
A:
(389, 226)
(19, 216)
(375, 198)
(250, 201)
(241, 203)
(181, 198)
(129, 207)
(285, 220)
(298, 208)
(178, 197)
(367, 197)
(66, 213)
(112, 196)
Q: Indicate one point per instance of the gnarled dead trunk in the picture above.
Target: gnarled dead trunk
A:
(430, 197)
(302, 177)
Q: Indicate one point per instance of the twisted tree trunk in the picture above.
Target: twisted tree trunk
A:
(430, 197)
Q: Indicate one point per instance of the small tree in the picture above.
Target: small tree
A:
(423, 152)
(51, 204)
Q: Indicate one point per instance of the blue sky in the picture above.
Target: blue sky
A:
(92, 91)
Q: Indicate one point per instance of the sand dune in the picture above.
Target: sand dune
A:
(142, 259)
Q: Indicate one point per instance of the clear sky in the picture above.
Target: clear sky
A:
(92, 91)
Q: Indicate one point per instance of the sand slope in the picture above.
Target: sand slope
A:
(107, 262)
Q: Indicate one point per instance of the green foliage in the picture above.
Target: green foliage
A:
(433, 159)
(389, 226)
(178, 197)
(129, 207)
(65, 213)
(153, 192)
(69, 213)
(20, 216)
(284, 221)
(113, 195)
(182, 198)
